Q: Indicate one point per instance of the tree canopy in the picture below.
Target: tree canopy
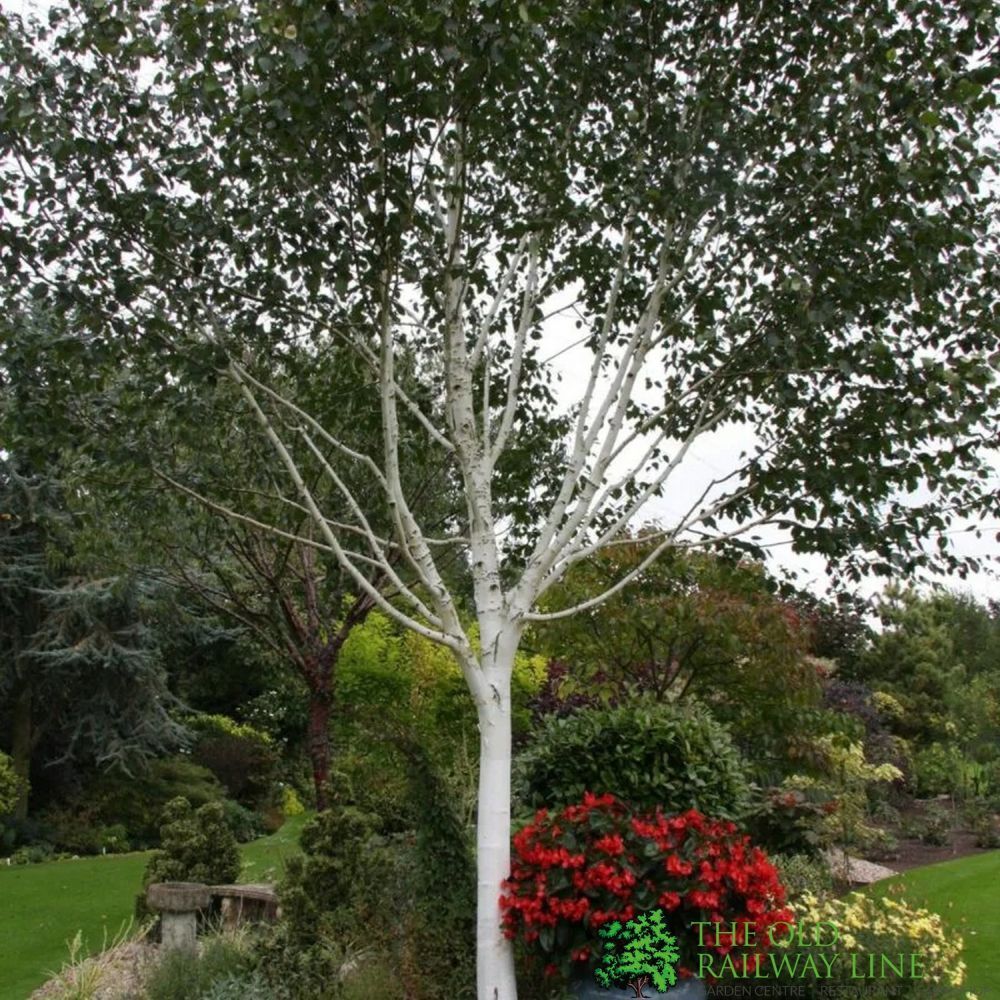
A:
(761, 215)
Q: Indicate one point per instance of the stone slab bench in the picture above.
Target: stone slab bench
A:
(241, 904)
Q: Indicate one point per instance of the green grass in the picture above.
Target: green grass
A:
(965, 893)
(43, 906)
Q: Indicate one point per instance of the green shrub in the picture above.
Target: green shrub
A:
(406, 895)
(196, 846)
(32, 854)
(10, 785)
(934, 827)
(114, 839)
(801, 874)
(245, 824)
(243, 758)
(373, 976)
(938, 770)
(986, 830)
(646, 753)
(790, 821)
(136, 802)
(221, 959)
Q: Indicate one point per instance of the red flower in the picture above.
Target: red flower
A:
(583, 868)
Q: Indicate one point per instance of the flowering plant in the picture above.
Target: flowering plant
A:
(880, 925)
(596, 862)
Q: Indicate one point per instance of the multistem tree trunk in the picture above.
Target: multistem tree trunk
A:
(318, 739)
(495, 956)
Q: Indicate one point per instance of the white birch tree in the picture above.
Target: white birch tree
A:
(746, 214)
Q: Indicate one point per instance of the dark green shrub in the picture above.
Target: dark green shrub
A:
(240, 986)
(986, 830)
(789, 820)
(245, 824)
(934, 827)
(243, 758)
(137, 802)
(410, 896)
(196, 846)
(32, 854)
(646, 753)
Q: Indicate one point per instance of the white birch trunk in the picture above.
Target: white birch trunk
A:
(495, 979)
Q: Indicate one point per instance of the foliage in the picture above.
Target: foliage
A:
(873, 709)
(789, 820)
(931, 651)
(934, 825)
(942, 769)
(244, 824)
(291, 804)
(137, 801)
(688, 625)
(801, 874)
(237, 986)
(579, 869)
(773, 220)
(79, 832)
(848, 778)
(196, 845)
(638, 952)
(986, 830)
(675, 757)
(241, 757)
(409, 893)
(11, 785)
(222, 962)
(886, 926)
(82, 676)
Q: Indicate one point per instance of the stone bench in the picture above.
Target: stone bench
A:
(240, 904)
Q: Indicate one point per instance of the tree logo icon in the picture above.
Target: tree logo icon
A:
(638, 953)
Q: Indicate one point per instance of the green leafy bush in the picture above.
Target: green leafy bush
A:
(986, 830)
(790, 820)
(934, 827)
(196, 846)
(240, 986)
(136, 802)
(409, 895)
(939, 770)
(10, 785)
(245, 824)
(645, 753)
(801, 874)
(243, 758)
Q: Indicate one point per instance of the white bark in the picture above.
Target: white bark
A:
(494, 955)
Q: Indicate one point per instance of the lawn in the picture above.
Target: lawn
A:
(43, 906)
(965, 893)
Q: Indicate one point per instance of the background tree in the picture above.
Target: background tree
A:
(82, 678)
(690, 624)
(768, 217)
